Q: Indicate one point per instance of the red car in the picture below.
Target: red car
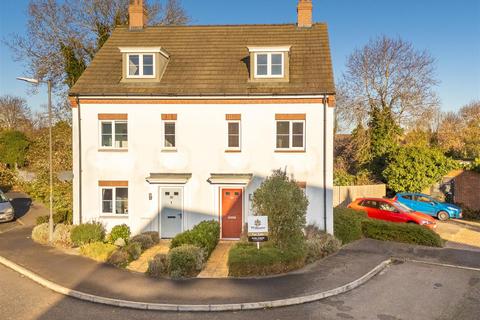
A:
(389, 210)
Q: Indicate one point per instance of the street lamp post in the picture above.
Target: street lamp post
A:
(49, 86)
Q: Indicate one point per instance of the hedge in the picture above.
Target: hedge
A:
(88, 233)
(204, 235)
(98, 251)
(347, 224)
(400, 232)
(244, 259)
(185, 261)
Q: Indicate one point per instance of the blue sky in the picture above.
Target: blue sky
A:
(449, 30)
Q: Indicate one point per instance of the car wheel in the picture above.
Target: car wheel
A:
(442, 216)
(411, 222)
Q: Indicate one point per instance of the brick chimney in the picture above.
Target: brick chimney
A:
(137, 15)
(305, 12)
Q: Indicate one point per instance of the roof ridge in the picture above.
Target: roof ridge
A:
(223, 25)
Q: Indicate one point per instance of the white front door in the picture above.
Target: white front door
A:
(171, 211)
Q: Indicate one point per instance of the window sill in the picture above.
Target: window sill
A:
(233, 151)
(107, 215)
(169, 150)
(112, 150)
(289, 151)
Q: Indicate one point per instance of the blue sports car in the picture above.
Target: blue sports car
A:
(426, 204)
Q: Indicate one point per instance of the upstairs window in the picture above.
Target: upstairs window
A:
(291, 135)
(233, 135)
(269, 65)
(114, 134)
(141, 65)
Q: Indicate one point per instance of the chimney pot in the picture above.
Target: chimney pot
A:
(137, 15)
(305, 13)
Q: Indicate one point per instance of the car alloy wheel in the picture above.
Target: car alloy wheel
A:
(442, 216)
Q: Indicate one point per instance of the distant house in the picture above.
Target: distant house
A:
(173, 125)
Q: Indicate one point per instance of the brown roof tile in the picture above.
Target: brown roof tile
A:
(209, 60)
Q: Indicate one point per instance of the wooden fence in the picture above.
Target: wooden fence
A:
(343, 195)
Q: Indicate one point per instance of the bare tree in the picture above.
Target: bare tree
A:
(387, 73)
(63, 36)
(14, 113)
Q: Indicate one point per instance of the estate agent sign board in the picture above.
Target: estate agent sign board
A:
(257, 228)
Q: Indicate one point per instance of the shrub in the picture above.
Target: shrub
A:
(7, 178)
(40, 233)
(145, 241)
(119, 258)
(62, 236)
(285, 204)
(244, 259)
(468, 213)
(204, 235)
(120, 231)
(412, 169)
(400, 232)
(134, 250)
(158, 266)
(185, 261)
(321, 246)
(347, 224)
(98, 251)
(59, 217)
(88, 233)
(154, 235)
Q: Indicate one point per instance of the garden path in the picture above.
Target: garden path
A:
(217, 264)
(141, 264)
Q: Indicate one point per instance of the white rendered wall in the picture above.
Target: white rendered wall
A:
(201, 132)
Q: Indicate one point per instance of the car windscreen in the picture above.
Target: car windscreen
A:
(3, 197)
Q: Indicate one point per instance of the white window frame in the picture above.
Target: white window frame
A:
(113, 122)
(290, 136)
(269, 65)
(140, 62)
(114, 205)
(239, 135)
(164, 147)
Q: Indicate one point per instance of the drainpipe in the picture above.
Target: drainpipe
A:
(79, 121)
(325, 162)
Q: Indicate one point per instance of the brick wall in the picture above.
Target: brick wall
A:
(467, 189)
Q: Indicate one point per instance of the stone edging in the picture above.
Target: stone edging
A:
(194, 308)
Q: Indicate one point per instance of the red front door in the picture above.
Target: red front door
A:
(231, 213)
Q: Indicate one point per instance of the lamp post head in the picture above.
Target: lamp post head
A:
(29, 80)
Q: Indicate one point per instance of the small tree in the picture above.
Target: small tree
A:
(13, 148)
(285, 204)
(412, 169)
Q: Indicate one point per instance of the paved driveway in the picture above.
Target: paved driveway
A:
(461, 234)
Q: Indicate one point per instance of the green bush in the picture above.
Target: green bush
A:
(320, 245)
(88, 233)
(244, 259)
(134, 250)
(120, 231)
(204, 235)
(412, 169)
(185, 261)
(40, 233)
(158, 266)
(153, 235)
(285, 204)
(400, 232)
(144, 240)
(347, 224)
(13, 148)
(98, 251)
(62, 235)
(119, 258)
(60, 217)
(468, 213)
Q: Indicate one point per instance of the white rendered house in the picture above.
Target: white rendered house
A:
(176, 125)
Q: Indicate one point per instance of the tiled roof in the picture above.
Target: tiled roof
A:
(213, 60)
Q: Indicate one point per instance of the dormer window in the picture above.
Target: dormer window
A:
(269, 63)
(141, 65)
